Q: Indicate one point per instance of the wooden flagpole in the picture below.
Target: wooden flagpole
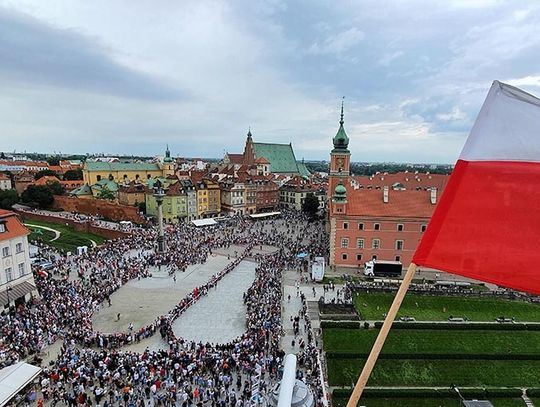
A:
(383, 333)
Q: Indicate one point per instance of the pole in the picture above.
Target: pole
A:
(383, 333)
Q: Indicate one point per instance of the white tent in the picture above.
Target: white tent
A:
(264, 215)
(204, 222)
(14, 378)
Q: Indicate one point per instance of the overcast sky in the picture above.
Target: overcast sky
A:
(130, 76)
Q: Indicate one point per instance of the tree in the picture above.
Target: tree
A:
(55, 187)
(40, 195)
(43, 173)
(106, 193)
(142, 207)
(311, 205)
(73, 175)
(8, 198)
(53, 161)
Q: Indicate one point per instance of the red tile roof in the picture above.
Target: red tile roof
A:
(401, 204)
(236, 158)
(14, 227)
(3, 176)
(409, 180)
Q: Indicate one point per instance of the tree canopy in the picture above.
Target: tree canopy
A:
(310, 205)
(8, 198)
(73, 175)
(40, 195)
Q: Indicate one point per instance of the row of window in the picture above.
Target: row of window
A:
(9, 272)
(375, 243)
(377, 226)
(18, 249)
(345, 256)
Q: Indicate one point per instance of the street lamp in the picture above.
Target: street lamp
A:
(8, 289)
(159, 194)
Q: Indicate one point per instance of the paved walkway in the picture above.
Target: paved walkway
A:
(140, 302)
(220, 316)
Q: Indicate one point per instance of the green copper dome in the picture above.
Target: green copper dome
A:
(341, 141)
(340, 193)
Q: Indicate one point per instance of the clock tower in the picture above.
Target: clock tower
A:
(340, 156)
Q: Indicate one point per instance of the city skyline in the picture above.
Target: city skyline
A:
(128, 78)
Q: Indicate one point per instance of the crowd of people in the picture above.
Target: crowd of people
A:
(92, 369)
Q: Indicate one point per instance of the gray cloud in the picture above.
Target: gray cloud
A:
(32, 52)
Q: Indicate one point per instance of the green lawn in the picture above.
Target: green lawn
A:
(421, 372)
(422, 402)
(372, 306)
(69, 238)
(434, 341)
(40, 234)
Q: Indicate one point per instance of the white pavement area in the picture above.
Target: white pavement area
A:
(141, 301)
(220, 316)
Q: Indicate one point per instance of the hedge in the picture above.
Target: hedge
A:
(533, 392)
(437, 356)
(339, 317)
(429, 392)
(341, 324)
(462, 325)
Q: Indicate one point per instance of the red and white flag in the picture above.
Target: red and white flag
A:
(487, 223)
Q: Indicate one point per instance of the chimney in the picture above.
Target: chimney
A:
(433, 196)
(385, 194)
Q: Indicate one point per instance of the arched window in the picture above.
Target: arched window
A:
(98, 178)
(111, 177)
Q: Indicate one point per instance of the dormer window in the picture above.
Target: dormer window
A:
(2, 227)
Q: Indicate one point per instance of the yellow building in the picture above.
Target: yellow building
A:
(124, 172)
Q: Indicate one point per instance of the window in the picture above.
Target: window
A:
(399, 244)
(359, 243)
(376, 226)
(400, 227)
(398, 258)
(18, 247)
(344, 242)
(98, 178)
(345, 225)
(5, 251)
(375, 244)
(374, 257)
(2, 228)
(358, 257)
(424, 228)
(9, 275)
(360, 226)
(344, 256)
(21, 269)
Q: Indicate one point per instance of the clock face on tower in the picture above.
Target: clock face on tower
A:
(340, 161)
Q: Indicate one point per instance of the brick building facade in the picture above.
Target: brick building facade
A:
(376, 218)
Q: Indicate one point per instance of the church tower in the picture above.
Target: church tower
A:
(340, 156)
(168, 163)
(249, 152)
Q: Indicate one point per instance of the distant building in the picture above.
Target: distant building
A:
(265, 158)
(174, 203)
(131, 194)
(369, 219)
(18, 166)
(124, 172)
(16, 280)
(292, 193)
(5, 182)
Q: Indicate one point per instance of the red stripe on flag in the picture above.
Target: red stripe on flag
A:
(487, 225)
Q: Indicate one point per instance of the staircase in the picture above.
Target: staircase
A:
(526, 399)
